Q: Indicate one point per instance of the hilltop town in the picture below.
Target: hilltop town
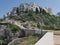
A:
(25, 7)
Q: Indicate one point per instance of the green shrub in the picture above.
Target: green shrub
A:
(15, 28)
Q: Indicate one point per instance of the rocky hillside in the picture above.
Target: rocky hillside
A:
(37, 20)
(8, 32)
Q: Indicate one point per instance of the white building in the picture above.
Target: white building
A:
(48, 10)
(23, 7)
(31, 6)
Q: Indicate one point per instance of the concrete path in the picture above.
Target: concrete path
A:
(57, 37)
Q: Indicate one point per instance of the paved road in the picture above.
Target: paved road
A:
(57, 39)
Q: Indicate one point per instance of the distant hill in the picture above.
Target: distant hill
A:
(58, 13)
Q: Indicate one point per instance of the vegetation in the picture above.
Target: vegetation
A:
(37, 11)
(3, 41)
(17, 11)
(31, 40)
(15, 28)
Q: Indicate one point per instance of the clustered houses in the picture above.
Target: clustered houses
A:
(29, 6)
(32, 6)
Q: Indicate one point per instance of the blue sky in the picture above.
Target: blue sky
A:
(7, 5)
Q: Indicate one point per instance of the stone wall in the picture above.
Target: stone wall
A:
(31, 32)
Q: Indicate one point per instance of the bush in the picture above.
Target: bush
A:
(15, 28)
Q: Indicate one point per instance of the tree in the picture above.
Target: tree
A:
(4, 17)
(40, 10)
(38, 25)
(37, 11)
(26, 11)
(17, 11)
(43, 11)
